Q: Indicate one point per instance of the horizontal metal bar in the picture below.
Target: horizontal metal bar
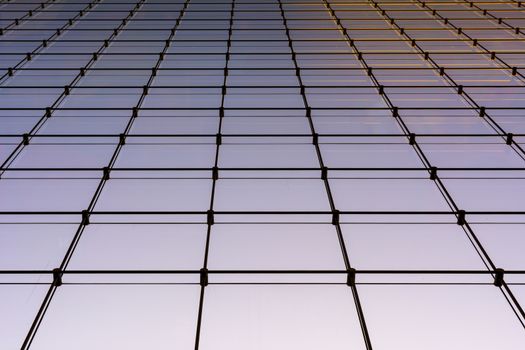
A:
(259, 271)
(422, 168)
(419, 108)
(227, 86)
(363, 135)
(255, 41)
(123, 3)
(255, 68)
(266, 53)
(283, 212)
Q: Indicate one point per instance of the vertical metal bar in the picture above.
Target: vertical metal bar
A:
(335, 219)
(215, 176)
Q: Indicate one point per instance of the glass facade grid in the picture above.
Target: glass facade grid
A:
(262, 174)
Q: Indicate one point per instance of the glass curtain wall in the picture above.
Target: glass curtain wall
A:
(262, 174)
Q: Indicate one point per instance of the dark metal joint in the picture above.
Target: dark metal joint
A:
(395, 112)
(122, 139)
(210, 217)
(510, 138)
(461, 217)
(203, 277)
(85, 217)
(105, 173)
(57, 277)
(433, 173)
(499, 274)
(411, 138)
(481, 111)
(335, 217)
(350, 277)
(25, 139)
(324, 173)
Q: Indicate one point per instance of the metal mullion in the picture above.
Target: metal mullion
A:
(284, 2)
(366, 68)
(511, 2)
(513, 302)
(264, 86)
(30, 13)
(344, 252)
(38, 50)
(469, 39)
(419, 51)
(280, 212)
(292, 10)
(257, 109)
(514, 52)
(441, 187)
(263, 3)
(270, 169)
(240, 29)
(138, 105)
(215, 176)
(515, 146)
(85, 221)
(500, 21)
(49, 110)
(252, 135)
(391, 68)
(264, 271)
(214, 19)
(480, 28)
(459, 31)
(270, 19)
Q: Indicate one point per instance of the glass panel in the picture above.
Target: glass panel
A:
(467, 321)
(19, 305)
(275, 247)
(280, 317)
(136, 247)
(168, 315)
(410, 247)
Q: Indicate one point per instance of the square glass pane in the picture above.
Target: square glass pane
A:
(275, 247)
(157, 194)
(410, 247)
(444, 317)
(280, 317)
(270, 195)
(124, 315)
(19, 305)
(390, 194)
(34, 246)
(136, 247)
(268, 156)
(503, 243)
